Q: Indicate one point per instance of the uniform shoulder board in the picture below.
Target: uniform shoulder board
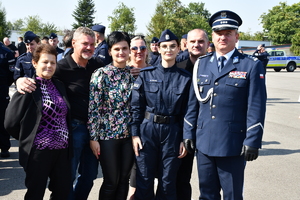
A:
(204, 56)
(184, 71)
(148, 68)
(22, 55)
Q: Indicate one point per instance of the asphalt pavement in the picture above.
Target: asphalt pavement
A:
(275, 175)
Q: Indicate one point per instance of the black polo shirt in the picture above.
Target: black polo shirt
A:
(77, 82)
(187, 65)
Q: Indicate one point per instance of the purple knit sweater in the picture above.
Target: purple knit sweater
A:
(53, 131)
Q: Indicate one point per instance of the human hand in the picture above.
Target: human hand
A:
(95, 146)
(250, 153)
(135, 71)
(25, 84)
(182, 151)
(137, 144)
(189, 145)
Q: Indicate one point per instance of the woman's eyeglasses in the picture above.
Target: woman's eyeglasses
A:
(135, 49)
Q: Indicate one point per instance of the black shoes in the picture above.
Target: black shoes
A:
(5, 154)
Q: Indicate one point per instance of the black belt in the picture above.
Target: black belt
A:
(78, 121)
(161, 119)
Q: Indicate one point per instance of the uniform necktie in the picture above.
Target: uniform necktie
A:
(221, 59)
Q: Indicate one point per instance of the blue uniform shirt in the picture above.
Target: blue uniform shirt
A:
(102, 52)
(159, 90)
(24, 67)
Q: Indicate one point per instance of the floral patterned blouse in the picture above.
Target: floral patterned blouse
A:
(109, 104)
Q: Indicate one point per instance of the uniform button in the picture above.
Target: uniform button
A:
(216, 83)
(206, 80)
(236, 84)
(242, 131)
(215, 94)
(213, 117)
(213, 106)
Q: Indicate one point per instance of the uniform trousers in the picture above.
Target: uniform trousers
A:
(216, 173)
(42, 164)
(116, 159)
(159, 156)
(4, 136)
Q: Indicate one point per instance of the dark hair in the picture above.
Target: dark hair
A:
(43, 48)
(21, 38)
(37, 39)
(45, 38)
(117, 36)
(67, 40)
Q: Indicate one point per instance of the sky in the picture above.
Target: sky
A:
(59, 12)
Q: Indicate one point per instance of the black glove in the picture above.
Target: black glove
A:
(250, 153)
(189, 145)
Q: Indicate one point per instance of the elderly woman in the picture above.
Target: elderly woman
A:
(109, 118)
(41, 122)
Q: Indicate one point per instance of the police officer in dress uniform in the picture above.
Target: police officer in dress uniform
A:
(24, 67)
(226, 112)
(7, 61)
(154, 54)
(101, 50)
(159, 100)
(53, 41)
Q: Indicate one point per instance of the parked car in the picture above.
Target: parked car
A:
(279, 60)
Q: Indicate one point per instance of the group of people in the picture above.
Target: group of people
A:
(140, 120)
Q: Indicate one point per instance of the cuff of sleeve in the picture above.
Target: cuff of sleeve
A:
(135, 130)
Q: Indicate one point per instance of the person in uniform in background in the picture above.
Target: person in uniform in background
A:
(154, 54)
(45, 40)
(211, 48)
(21, 46)
(261, 54)
(24, 67)
(7, 62)
(75, 71)
(41, 122)
(53, 41)
(159, 100)
(226, 111)
(183, 42)
(101, 50)
(109, 119)
(67, 40)
(11, 46)
(197, 43)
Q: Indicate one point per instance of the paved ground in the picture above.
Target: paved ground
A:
(275, 175)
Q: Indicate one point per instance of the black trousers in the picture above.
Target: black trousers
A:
(4, 136)
(116, 159)
(48, 163)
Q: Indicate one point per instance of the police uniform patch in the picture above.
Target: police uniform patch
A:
(136, 85)
(261, 76)
(236, 59)
(237, 74)
(167, 37)
(223, 15)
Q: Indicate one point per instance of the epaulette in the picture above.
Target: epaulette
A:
(208, 54)
(148, 68)
(22, 55)
(185, 71)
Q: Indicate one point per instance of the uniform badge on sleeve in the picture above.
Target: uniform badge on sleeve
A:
(261, 76)
(136, 85)
(237, 74)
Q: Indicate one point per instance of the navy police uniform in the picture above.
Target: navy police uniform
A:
(7, 62)
(101, 50)
(58, 50)
(154, 55)
(24, 67)
(159, 99)
(226, 112)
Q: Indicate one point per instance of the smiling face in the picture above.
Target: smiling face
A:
(138, 52)
(31, 46)
(168, 50)
(225, 40)
(84, 47)
(119, 53)
(46, 65)
(197, 43)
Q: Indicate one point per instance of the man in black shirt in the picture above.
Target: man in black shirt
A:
(197, 44)
(21, 46)
(10, 46)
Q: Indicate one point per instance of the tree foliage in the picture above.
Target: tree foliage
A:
(34, 23)
(295, 48)
(282, 22)
(4, 30)
(84, 14)
(16, 25)
(173, 15)
(122, 19)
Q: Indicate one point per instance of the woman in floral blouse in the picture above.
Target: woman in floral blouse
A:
(109, 118)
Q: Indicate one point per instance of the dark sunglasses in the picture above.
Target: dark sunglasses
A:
(135, 48)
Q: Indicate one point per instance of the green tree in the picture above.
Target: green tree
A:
(4, 30)
(171, 14)
(16, 25)
(122, 19)
(33, 23)
(84, 14)
(295, 48)
(281, 22)
(48, 28)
